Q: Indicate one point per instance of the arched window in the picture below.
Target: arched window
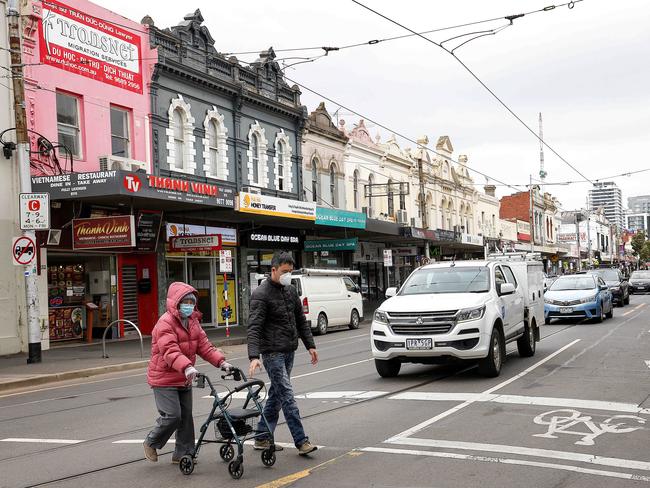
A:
(280, 166)
(355, 189)
(371, 181)
(314, 179)
(213, 147)
(391, 199)
(255, 150)
(179, 139)
(333, 199)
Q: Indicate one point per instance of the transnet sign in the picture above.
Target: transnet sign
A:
(91, 47)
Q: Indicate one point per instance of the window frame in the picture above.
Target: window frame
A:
(314, 179)
(509, 274)
(77, 152)
(213, 146)
(355, 188)
(333, 186)
(179, 127)
(126, 114)
(255, 157)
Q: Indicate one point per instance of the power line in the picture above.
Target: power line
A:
(481, 82)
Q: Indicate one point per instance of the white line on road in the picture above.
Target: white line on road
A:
(522, 400)
(498, 460)
(40, 441)
(528, 451)
(320, 395)
(446, 413)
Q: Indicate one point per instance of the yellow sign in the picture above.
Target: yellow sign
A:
(221, 303)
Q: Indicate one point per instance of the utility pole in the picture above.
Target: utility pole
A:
(531, 216)
(22, 139)
(423, 142)
(589, 262)
(578, 219)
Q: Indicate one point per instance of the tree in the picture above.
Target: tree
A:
(644, 254)
(638, 242)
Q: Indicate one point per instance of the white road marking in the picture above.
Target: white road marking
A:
(320, 395)
(331, 369)
(522, 400)
(446, 413)
(41, 441)
(528, 451)
(498, 460)
(138, 441)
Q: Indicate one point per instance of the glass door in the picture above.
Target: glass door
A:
(201, 275)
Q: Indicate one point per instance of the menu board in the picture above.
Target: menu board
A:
(66, 290)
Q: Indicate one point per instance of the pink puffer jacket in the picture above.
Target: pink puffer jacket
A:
(174, 348)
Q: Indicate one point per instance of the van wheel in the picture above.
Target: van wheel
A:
(388, 368)
(354, 320)
(321, 325)
(490, 366)
(526, 344)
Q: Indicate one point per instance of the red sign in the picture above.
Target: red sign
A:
(103, 232)
(196, 243)
(80, 43)
(132, 183)
(183, 186)
(24, 250)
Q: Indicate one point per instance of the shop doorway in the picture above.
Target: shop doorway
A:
(201, 278)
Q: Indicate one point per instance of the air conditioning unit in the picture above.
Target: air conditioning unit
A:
(110, 163)
(251, 189)
(402, 217)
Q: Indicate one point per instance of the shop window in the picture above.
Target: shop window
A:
(120, 132)
(69, 123)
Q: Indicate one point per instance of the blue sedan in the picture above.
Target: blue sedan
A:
(578, 296)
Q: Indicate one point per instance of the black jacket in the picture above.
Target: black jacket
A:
(276, 320)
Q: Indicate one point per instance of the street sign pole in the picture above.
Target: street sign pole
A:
(225, 302)
(31, 290)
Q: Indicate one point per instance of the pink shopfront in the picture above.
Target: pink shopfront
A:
(87, 92)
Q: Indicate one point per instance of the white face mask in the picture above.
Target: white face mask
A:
(285, 279)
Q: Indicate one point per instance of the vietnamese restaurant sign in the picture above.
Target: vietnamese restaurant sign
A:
(103, 232)
(89, 46)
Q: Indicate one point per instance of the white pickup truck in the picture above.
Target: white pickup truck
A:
(465, 310)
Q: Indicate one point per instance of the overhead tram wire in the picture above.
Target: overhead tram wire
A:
(481, 82)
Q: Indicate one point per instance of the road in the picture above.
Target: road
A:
(574, 415)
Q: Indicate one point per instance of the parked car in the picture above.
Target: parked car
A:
(639, 282)
(329, 298)
(618, 285)
(548, 281)
(465, 310)
(578, 296)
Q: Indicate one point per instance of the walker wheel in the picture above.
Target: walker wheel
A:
(186, 464)
(236, 469)
(268, 457)
(227, 452)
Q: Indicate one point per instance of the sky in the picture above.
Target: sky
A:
(585, 69)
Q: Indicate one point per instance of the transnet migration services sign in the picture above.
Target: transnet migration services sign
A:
(196, 243)
(277, 207)
(95, 48)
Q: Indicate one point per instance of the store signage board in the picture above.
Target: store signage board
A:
(34, 211)
(103, 232)
(147, 229)
(196, 243)
(472, 239)
(276, 239)
(75, 41)
(332, 245)
(228, 234)
(23, 250)
(276, 207)
(388, 258)
(340, 218)
(225, 261)
(138, 185)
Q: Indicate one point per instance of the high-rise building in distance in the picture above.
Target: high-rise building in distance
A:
(608, 195)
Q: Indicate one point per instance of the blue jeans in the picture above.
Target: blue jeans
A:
(278, 365)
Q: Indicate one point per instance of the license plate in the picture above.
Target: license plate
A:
(419, 344)
(566, 310)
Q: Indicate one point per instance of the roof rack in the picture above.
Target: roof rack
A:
(516, 256)
(326, 272)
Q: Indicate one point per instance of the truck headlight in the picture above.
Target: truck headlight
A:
(470, 314)
(381, 317)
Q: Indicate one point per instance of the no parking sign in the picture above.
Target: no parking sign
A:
(23, 250)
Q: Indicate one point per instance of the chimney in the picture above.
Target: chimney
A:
(489, 190)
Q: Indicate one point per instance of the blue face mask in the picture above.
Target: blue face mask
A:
(186, 309)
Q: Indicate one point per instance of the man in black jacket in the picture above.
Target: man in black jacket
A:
(276, 321)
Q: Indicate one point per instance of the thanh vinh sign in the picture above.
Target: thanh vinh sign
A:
(89, 46)
(103, 232)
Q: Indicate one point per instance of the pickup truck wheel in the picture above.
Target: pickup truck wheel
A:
(321, 325)
(526, 343)
(388, 368)
(490, 366)
(354, 320)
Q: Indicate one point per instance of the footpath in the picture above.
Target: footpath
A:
(71, 361)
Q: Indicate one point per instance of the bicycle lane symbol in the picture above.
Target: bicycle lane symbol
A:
(562, 421)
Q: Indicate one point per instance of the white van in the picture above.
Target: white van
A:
(330, 298)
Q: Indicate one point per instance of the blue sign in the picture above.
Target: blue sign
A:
(340, 218)
(332, 245)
